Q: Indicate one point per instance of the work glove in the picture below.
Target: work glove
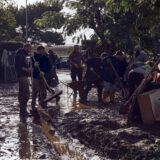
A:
(36, 64)
(42, 73)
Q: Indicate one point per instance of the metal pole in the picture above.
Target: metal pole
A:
(26, 22)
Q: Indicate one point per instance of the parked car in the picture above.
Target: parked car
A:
(63, 62)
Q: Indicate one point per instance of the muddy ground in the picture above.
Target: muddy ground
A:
(71, 130)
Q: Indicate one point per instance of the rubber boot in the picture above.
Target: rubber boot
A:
(112, 96)
(155, 77)
(105, 95)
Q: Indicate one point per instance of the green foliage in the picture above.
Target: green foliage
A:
(92, 46)
(57, 4)
(61, 50)
(18, 38)
(38, 14)
(51, 19)
(7, 24)
(89, 14)
(143, 21)
(53, 38)
(118, 24)
(3, 3)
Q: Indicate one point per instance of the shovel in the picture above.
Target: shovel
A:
(118, 79)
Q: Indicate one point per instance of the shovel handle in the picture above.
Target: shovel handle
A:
(117, 76)
(50, 90)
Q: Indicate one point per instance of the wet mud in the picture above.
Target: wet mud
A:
(112, 139)
(20, 138)
(71, 130)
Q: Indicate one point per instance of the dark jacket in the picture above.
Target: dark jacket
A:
(108, 74)
(94, 63)
(20, 62)
(44, 65)
(53, 58)
(122, 66)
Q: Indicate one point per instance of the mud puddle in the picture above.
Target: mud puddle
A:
(71, 130)
(103, 130)
(34, 138)
(20, 138)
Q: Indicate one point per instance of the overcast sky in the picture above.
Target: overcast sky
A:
(23, 2)
(68, 41)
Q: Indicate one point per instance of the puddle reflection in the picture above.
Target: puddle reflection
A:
(59, 144)
(69, 102)
(24, 143)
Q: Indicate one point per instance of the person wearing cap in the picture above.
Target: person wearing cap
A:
(104, 55)
(108, 76)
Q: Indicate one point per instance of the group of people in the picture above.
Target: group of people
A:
(99, 72)
(39, 66)
(109, 73)
(106, 73)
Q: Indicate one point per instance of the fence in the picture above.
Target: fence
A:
(7, 60)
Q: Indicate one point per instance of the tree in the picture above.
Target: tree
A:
(52, 18)
(143, 22)
(53, 38)
(4, 2)
(7, 22)
(89, 14)
(118, 24)
(36, 12)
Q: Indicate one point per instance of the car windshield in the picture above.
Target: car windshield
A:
(64, 58)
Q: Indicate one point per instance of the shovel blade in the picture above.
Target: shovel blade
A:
(52, 97)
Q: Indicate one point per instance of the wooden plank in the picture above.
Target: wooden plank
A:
(145, 106)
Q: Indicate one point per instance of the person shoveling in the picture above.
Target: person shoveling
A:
(41, 66)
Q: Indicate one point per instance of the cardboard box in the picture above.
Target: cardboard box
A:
(149, 103)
